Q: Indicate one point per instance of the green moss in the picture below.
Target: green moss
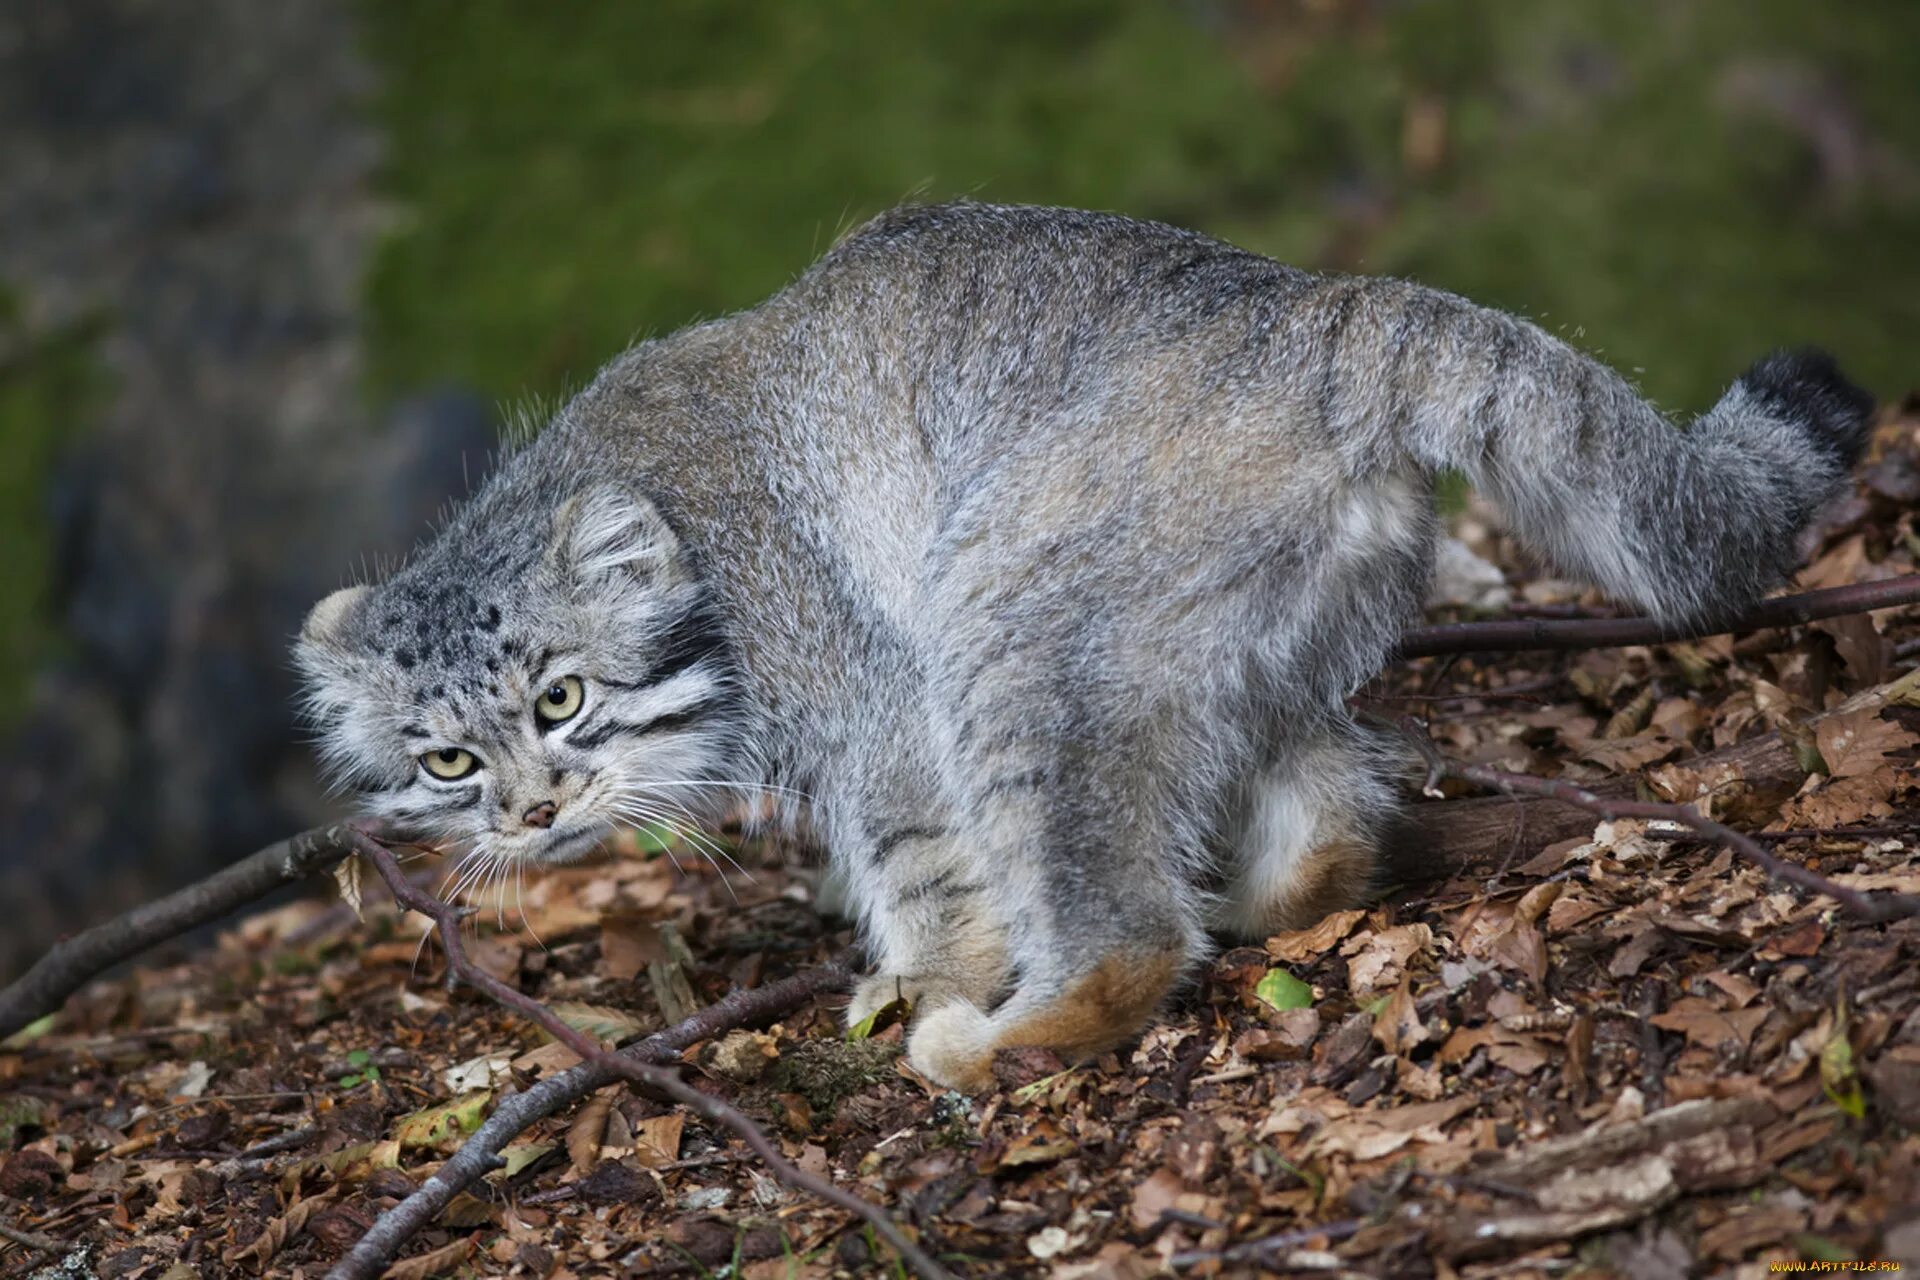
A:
(828, 1071)
(574, 176)
(48, 384)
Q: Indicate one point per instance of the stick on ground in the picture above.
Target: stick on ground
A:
(72, 962)
(1876, 910)
(1514, 635)
(446, 919)
(480, 1154)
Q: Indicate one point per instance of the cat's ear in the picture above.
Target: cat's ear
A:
(327, 624)
(611, 531)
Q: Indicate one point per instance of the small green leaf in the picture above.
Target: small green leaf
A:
(518, 1155)
(880, 1019)
(1026, 1093)
(1837, 1074)
(1820, 1249)
(32, 1031)
(1284, 991)
(655, 838)
(445, 1125)
(347, 1082)
(359, 1058)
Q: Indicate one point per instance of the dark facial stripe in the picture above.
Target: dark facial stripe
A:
(598, 735)
(465, 798)
(695, 635)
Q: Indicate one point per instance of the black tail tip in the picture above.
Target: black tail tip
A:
(1807, 387)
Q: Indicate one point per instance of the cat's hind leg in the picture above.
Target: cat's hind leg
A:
(1305, 834)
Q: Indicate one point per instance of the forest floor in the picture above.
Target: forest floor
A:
(1627, 1052)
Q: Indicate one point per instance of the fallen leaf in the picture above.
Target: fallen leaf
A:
(444, 1127)
(1379, 960)
(1301, 946)
(1042, 1144)
(604, 1023)
(1282, 990)
(1855, 744)
(589, 1129)
(435, 1263)
(656, 1140)
(1397, 1026)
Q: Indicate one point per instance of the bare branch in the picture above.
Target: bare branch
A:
(33, 1240)
(1512, 635)
(446, 918)
(1892, 907)
(480, 1154)
(1267, 1251)
(74, 961)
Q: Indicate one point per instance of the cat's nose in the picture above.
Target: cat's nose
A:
(541, 815)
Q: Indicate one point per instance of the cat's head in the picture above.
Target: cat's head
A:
(535, 678)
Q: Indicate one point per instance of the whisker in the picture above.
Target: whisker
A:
(729, 784)
(701, 843)
(520, 901)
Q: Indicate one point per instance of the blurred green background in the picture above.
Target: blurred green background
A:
(1678, 186)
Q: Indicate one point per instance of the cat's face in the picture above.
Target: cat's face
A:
(527, 685)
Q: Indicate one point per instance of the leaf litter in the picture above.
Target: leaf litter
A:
(1625, 1052)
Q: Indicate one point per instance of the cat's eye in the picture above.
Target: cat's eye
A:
(449, 764)
(560, 701)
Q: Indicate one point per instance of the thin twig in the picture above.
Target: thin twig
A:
(514, 1115)
(365, 1263)
(32, 1240)
(1264, 1249)
(1892, 907)
(1512, 635)
(72, 962)
(1834, 833)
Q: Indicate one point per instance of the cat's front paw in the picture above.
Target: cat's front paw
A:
(953, 1042)
(924, 991)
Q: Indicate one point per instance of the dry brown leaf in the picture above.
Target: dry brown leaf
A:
(589, 1129)
(1705, 1024)
(1856, 744)
(438, 1262)
(1368, 1135)
(258, 1252)
(1624, 755)
(1042, 1144)
(1397, 1026)
(1302, 945)
(1288, 1035)
(656, 1140)
(1857, 639)
(1844, 802)
(1378, 960)
(629, 942)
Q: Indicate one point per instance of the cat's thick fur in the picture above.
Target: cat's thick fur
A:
(1041, 548)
